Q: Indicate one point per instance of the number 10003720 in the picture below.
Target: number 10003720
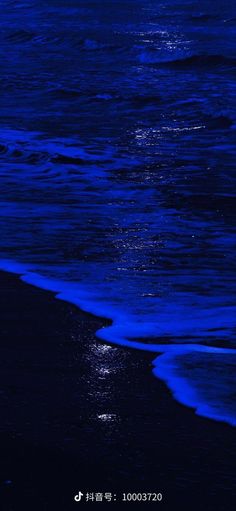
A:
(128, 497)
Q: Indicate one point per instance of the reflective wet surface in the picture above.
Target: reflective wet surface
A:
(117, 150)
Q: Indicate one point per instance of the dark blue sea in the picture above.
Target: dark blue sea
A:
(117, 153)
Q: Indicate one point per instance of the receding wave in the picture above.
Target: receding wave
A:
(174, 361)
(195, 61)
(204, 60)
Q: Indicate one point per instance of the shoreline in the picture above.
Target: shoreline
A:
(82, 414)
(182, 389)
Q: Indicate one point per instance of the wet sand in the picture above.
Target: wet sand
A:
(77, 414)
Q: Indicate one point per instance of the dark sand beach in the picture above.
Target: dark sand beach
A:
(79, 415)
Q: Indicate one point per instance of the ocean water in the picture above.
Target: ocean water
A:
(117, 172)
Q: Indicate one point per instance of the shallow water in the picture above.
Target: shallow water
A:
(117, 152)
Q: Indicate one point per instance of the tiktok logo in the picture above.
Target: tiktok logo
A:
(78, 497)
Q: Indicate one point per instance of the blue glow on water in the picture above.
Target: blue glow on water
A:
(117, 154)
